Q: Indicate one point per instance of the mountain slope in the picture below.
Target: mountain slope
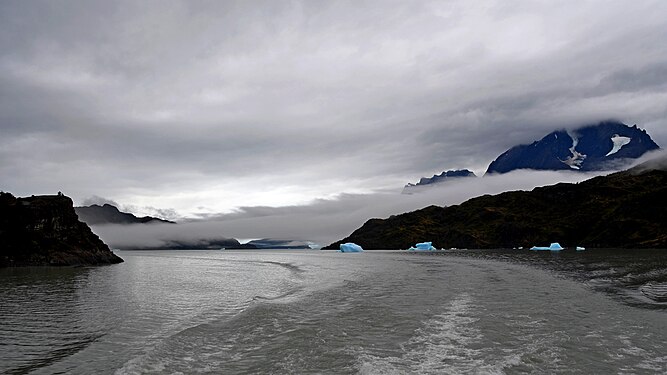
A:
(108, 214)
(593, 147)
(626, 209)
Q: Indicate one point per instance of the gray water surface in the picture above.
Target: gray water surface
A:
(477, 312)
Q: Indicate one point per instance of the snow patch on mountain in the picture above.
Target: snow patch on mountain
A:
(619, 141)
(574, 161)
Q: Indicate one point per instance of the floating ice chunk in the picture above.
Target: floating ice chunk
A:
(555, 246)
(580, 248)
(619, 141)
(423, 246)
(350, 247)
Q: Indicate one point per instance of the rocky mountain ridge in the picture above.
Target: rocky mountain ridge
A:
(438, 179)
(589, 148)
(109, 214)
(607, 145)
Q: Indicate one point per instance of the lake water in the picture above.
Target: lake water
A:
(476, 312)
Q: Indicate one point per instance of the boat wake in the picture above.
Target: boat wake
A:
(449, 342)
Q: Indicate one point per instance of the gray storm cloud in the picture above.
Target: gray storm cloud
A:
(220, 105)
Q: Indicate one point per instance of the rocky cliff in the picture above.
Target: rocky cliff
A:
(45, 230)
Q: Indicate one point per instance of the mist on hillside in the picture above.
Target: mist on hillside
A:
(325, 221)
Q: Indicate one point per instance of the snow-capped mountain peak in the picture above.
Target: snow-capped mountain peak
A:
(591, 147)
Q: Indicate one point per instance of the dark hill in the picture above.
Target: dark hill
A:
(108, 214)
(45, 230)
(623, 210)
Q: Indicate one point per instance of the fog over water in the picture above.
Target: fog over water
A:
(325, 221)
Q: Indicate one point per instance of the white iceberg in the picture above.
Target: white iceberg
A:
(555, 246)
(423, 246)
(580, 248)
(350, 247)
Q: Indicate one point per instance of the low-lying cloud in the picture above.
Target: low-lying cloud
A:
(325, 221)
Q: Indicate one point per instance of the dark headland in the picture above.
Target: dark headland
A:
(45, 231)
(622, 210)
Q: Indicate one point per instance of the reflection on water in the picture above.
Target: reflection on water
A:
(617, 272)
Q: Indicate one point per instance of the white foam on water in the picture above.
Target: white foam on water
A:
(139, 365)
(646, 359)
(656, 364)
(446, 343)
(453, 343)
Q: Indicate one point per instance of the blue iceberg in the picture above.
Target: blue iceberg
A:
(555, 246)
(423, 246)
(350, 247)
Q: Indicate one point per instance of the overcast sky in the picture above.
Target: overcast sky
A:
(203, 106)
